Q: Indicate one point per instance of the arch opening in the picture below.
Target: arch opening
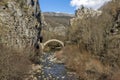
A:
(55, 44)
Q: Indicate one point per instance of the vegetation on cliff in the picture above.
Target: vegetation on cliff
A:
(95, 55)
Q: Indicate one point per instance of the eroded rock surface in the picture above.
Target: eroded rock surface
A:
(20, 22)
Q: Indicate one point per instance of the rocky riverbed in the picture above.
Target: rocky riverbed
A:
(50, 69)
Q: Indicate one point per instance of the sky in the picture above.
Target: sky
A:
(69, 6)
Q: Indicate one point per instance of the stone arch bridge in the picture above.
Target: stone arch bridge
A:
(51, 40)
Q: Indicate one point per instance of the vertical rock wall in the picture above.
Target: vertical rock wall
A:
(20, 23)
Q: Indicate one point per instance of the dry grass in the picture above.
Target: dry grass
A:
(84, 63)
(116, 76)
(14, 65)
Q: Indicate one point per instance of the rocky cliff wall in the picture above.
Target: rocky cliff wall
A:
(20, 22)
(83, 12)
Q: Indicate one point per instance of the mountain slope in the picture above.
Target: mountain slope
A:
(57, 19)
(56, 25)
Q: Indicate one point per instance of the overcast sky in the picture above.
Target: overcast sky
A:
(69, 6)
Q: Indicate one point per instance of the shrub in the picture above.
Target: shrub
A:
(87, 66)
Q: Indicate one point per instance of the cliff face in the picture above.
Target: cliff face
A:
(20, 22)
(81, 13)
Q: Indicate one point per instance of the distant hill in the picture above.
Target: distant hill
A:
(57, 19)
(57, 23)
(57, 14)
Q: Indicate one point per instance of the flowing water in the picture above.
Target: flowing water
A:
(54, 71)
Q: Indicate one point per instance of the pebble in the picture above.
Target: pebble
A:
(42, 73)
(57, 77)
(38, 71)
(50, 76)
(49, 67)
(39, 76)
(63, 77)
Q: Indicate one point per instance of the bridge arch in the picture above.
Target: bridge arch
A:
(52, 40)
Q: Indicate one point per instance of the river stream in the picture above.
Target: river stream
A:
(51, 70)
